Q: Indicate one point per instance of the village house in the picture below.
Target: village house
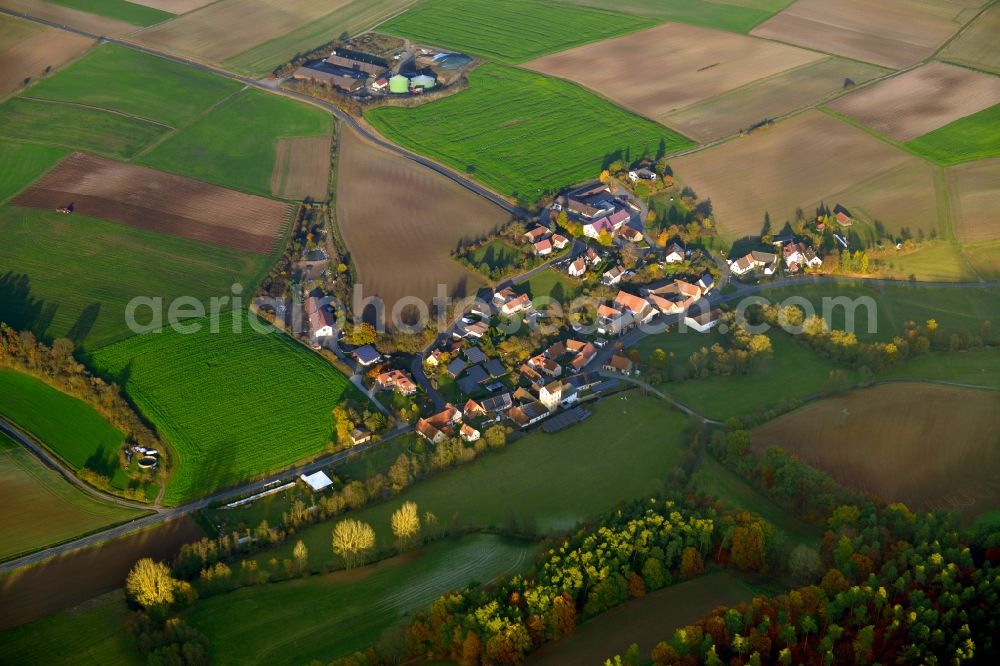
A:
(468, 433)
(612, 321)
(583, 357)
(456, 367)
(498, 404)
(642, 174)
(321, 320)
(528, 414)
(515, 305)
(608, 223)
(545, 365)
(434, 358)
(559, 241)
(397, 380)
(472, 409)
(592, 257)
(754, 260)
(706, 283)
(639, 307)
(577, 267)
(439, 427)
(703, 321)
(536, 234)
(474, 330)
(843, 219)
(366, 355)
(674, 253)
(620, 364)
(474, 355)
(360, 436)
(613, 276)
(380, 85)
(675, 297)
(550, 395)
(543, 247)
(630, 234)
(580, 208)
(799, 255)
(530, 374)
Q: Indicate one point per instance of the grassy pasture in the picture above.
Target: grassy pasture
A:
(977, 367)
(937, 261)
(553, 283)
(130, 12)
(235, 144)
(117, 78)
(263, 401)
(523, 134)
(977, 46)
(317, 609)
(22, 163)
(509, 31)
(80, 436)
(732, 15)
(28, 48)
(39, 508)
(974, 137)
(939, 441)
(72, 276)
(985, 258)
(69, 126)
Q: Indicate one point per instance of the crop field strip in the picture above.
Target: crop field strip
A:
(65, 15)
(264, 401)
(22, 164)
(974, 200)
(509, 31)
(302, 168)
(974, 137)
(121, 10)
(976, 47)
(27, 49)
(522, 133)
(733, 15)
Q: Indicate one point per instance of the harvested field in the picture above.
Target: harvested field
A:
(800, 162)
(893, 33)
(302, 168)
(921, 100)
(153, 200)
(975, 200)
(977, 46)
(771, 97)
(62, 15)
(229, 27)
(173, 6)
(27, 48)
(904, 196)
(940, 441)
(693, 64)
(407, 254)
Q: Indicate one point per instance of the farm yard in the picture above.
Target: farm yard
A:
(857, 436)
(976, 47)
(62, 14)
(975, 214)
(22, 163)
(264, 401)
(523, 134)
(509, 31)
(406, 255)
(683, 65)
(39, 508)
(370, 601)
(768, 98)
(971, 138)
(732, 15)
(302, 168)
(160, 202)
(27, 49)
(892, 33)
(912, 104)
(786, 167)
(72, 275)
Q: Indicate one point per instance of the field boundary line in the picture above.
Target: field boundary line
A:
(177, 130)
(958, 33)
(97, 108)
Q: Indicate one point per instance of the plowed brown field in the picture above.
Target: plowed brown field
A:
(92, 23)
(150, 199)
(27, 48)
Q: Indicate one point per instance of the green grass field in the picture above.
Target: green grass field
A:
(79, 436)
(974, 137)
(316, 611)
(234, 144)
(233, 405)
(510, 31)
(740, 16)
(77, 127)
(984, 257)
(73, 276)
(522, 133)
(552, 283)
(352, 18)
(130, 12)
(938, 261)
(979, 367)
(22, 164)
(121, 79)
(495, 254)
(39, 508)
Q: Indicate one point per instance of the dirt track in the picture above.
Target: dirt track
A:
(157, 201)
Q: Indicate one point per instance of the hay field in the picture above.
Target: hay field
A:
(733, 15)
(977, 45)
(680, 65)
(929, 446)
(65, 15)
(302, 168)
(798, 163)
(975, 200)
(27, 48)
(770, 97)
(921, 100)
(400, 221)
(223, 29)
(893, 33)
(904, 196)
(161, 202)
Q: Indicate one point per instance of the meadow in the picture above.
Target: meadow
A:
(936, 261)
(122, 10)
(974, 137)
(369, 601)
(984, 258)
(22, 163)
(732, 15)
(39, 508)
(976, 367)
(117, 78)
(509, 31)
(855, 437)
(28, 49)
(235, 144)
(524, 134)
(80, 436)
(73, 276)
(263, 401)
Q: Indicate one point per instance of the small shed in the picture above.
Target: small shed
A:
(399, 84)
(317, 480)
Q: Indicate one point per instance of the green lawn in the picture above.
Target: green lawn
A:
(22, 164)
(130, 12)
(38, 507)
(741, 16)
(77, 127)
(233, 404)
(510, 31)
(552, 283)
(80, 436)
(495, 254)
(974, 137)
(522, 133)
(234, 144)
(324, 617)
(73, 276)
(117, 78)
(544, 483)
(979, 367)
(91, 634)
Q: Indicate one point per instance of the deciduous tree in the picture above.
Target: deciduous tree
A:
(352, 541)
(151, 584)
(406, 524)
